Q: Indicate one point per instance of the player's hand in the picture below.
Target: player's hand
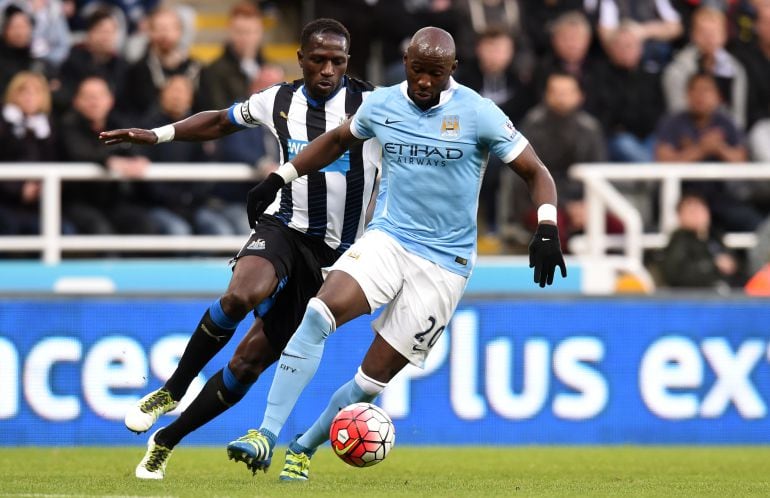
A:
(128, 135)
(545, 254)
(261, 196)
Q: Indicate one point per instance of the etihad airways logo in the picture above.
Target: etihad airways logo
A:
(420, 154)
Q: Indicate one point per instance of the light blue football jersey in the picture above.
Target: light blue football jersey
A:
(432, 165)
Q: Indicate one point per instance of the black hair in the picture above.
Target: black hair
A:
(564, 74)
(323, 25)
(492, 32)
(98, 15)
(11, 10)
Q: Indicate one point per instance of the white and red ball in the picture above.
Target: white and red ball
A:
(362, 434)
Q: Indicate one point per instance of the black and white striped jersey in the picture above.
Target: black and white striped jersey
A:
(330, 204)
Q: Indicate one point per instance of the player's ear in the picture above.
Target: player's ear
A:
(454, 66)
(300, 56)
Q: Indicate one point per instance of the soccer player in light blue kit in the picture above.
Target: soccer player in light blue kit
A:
(420, 247)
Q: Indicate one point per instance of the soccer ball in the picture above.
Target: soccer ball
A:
(362, 434)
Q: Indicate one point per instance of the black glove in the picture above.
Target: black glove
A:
(261, 196)
(545, 254)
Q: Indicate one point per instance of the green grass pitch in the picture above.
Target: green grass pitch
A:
(409, 471)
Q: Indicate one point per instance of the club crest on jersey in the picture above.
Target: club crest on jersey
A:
(256, 245)
(450, 126)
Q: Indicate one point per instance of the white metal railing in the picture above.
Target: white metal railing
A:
(602, 196)
(51, 243)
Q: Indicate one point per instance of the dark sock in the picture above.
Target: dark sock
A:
(212, 333)
(214, 398)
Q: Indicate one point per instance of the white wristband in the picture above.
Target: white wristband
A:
(287, 171)
(164, 133)
(546, 212)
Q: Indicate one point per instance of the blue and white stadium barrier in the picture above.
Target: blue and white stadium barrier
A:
(553, 370)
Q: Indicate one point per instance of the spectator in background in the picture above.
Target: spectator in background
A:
(364, 20)
(133, 13)
(96, 55)
(694, 256)
(26, 135)
(703, 133)
(493, 75)
(254, 146)
(540, 15)
(706, 53)
(755, 57)
(397, 21)
(166, 56)
(477, 17)
(657, 24)
(739, 14)
(51, 38)
(573, 135)
(16, 45)
(571, 40)
(631, 98)
(229, 77)
(102, 207)
(174, 205)
(27, 132)
(564, 135)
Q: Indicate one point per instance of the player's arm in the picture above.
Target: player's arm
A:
(206, 125)
(319, 153)
(541, 186)
(324, 150)
(544, 249)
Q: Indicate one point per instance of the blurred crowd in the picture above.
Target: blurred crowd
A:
(69, 70)
(624, 81)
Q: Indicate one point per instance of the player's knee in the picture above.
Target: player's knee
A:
(240, 301)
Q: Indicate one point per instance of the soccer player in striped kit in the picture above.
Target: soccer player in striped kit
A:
(419, 249)
(308, 226)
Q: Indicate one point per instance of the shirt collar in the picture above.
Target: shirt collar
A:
(443, 98)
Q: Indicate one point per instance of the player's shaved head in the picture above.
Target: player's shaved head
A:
(433, 42)
(429, 62)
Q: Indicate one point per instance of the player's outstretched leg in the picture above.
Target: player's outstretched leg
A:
(360, 389)
(220, 393)
(212, 333)
(255, 449)
(153, 465)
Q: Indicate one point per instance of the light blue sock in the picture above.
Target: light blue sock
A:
(319, 432)
(297, 364)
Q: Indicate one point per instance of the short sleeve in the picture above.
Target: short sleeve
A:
(252, 112)
(497, 132)
(360, 126)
